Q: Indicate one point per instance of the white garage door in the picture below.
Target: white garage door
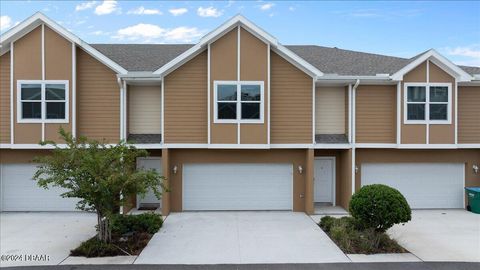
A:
(424, 185)
(20, 193)
(237, 187)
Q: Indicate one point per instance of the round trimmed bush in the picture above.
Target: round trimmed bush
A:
(379, 207)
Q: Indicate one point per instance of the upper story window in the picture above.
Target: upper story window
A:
(238, 102)
(428, 102)
(42, 101)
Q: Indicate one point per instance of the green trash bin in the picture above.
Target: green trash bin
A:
(473, 194)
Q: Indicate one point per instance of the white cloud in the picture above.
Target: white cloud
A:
(107, 7)
(183, 34)
(144, 11)
(5, 22)
(85, 5)
(97, 33)
(469, 55)
(208, 12)
(178, 11)
(267, 6)
(150, 33)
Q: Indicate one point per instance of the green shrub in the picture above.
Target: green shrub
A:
(146, 222)
(379, 207)
(95, 248)
(326, 223)
(351, 238)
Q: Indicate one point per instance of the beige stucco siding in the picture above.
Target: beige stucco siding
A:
(144, 109)
(5, 98)
(186, 102)
(27, 66)
(223, 67)
(58, 66)
(290, 103)
(469, 114)
(254, 67)
(376, 114)
(98, 99)
(330, 110)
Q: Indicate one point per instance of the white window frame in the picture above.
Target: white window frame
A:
(427, 103)
(43, 101)
(238, 102)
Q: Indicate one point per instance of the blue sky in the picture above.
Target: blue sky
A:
(393, 28)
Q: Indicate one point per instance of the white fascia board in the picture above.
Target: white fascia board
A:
(438, 59)
(36, 19)
(332, 146)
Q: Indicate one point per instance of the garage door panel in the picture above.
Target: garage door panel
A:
(424, 185)
(237, 186)
(21, 193)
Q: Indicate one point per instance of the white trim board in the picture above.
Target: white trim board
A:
(438, 60)
(239, 21)
(39, 18)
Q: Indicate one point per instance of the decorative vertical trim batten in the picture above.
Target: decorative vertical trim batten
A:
(268, 93)
(238, 87)
(12, 133)
(44, 108)
(208, 97)
(162, 102)
(399, 114)
(74, 90)
(313, 111)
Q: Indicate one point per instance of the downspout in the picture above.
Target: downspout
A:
(120, 85)
(354, 91)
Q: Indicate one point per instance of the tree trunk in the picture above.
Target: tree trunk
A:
(104, 232)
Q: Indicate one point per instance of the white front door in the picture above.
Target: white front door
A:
(235, 186)
(149, 163)
(324, 176)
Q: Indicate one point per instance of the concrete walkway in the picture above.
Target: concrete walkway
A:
(49, 235)
(240, 238)
(441, 235)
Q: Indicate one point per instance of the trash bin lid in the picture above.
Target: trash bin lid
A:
(475, 189)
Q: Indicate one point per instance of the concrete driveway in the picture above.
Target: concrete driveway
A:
(52, 235)
(441, 235)
(240, 238)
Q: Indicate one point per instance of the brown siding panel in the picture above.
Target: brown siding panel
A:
(98, 100)
(27, 66)
(58, 66)
(223, 67)
(5, 98)
(290, 103)
(376, 114)
(469, 114)
(254, 67)
(186, 102)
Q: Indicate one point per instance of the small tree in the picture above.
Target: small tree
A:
(100, 175)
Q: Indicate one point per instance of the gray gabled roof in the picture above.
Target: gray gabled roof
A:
(150, 57)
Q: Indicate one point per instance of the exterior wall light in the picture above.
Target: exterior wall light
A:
(300, 169)
(356, 169)
(475, 168)
(175, 169)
